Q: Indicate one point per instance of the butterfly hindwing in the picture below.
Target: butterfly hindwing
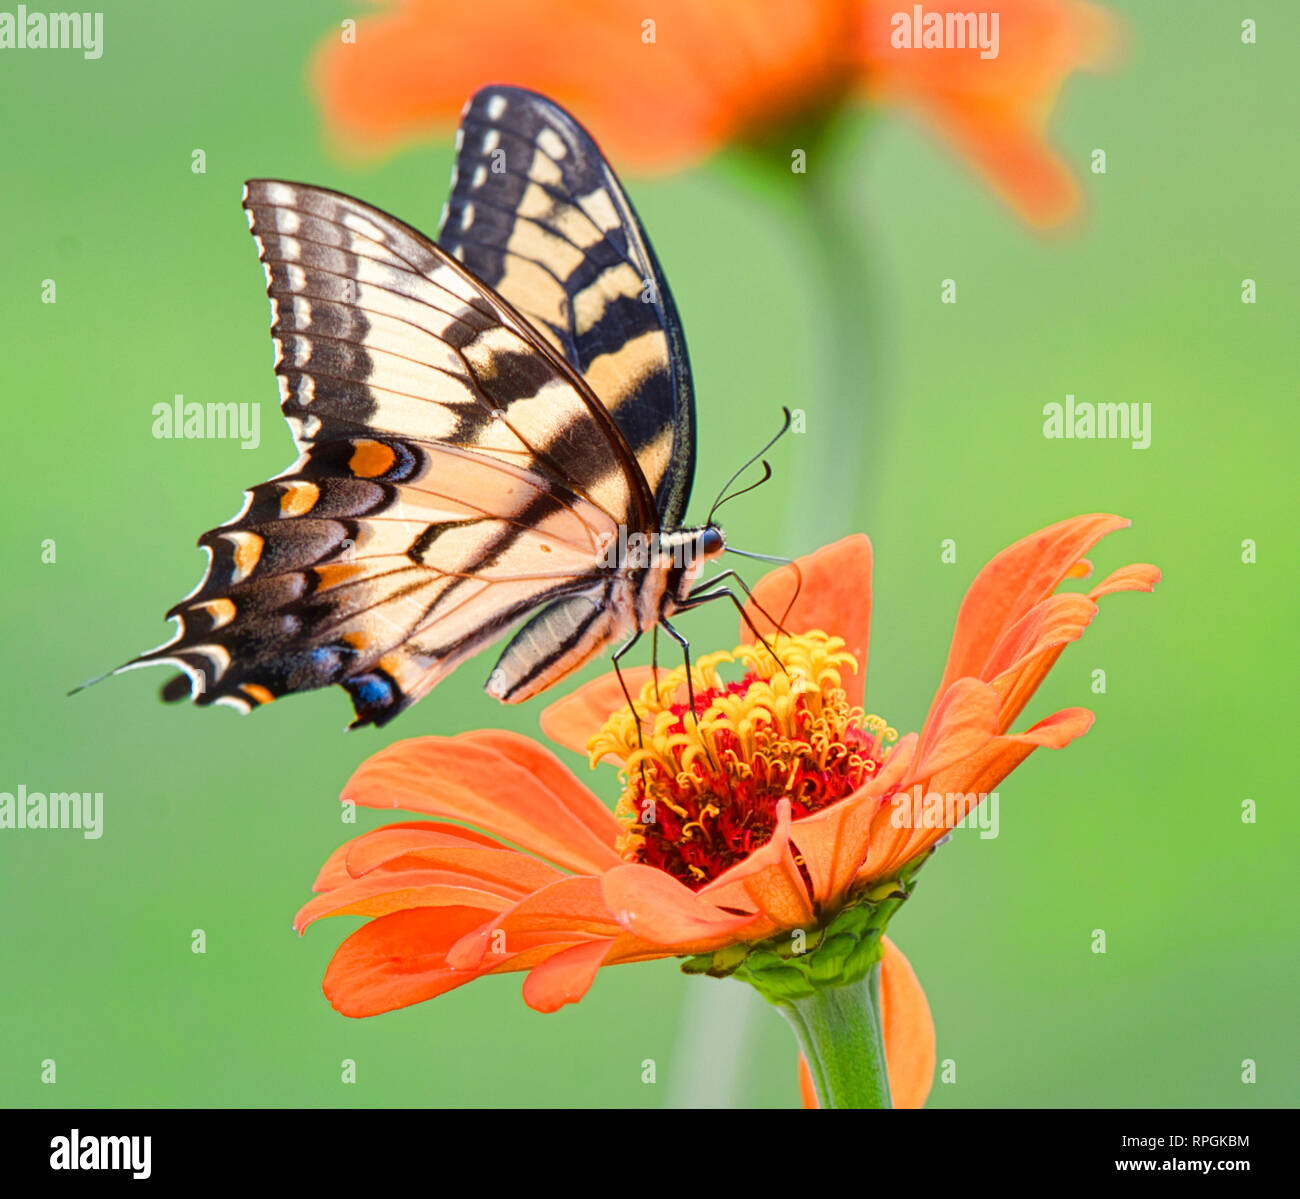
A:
(454, 475)
(537, 213)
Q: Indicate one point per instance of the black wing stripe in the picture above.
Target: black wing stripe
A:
(454, 473)
(509, 343)
(536, 212)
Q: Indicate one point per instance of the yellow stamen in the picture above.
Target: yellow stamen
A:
(785, 728)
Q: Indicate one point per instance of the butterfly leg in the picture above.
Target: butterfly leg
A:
(690, 684)
(627, 695)
(686, 655)
(710, 590)
(654, 659)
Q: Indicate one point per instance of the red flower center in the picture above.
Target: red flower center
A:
(701, 787)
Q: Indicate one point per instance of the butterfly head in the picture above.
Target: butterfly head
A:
(712, 542)
(686, 553)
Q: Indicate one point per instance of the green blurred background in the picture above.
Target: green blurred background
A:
(220, 823)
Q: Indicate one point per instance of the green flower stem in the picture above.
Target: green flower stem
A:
(826, 982)
(839, 1031)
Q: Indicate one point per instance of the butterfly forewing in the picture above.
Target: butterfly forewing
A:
(454, 474)
(537, 214)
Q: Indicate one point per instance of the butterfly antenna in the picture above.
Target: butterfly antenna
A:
(99, 678)
(726, 499)
(722, 495)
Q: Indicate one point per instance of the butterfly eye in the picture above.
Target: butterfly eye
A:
(711, 542)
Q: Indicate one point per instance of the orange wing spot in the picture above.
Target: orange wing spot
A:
(248, 549)
(393, 665)
(357, 640)
(298, 498)
(222, 611)
(335, 573)
(370, 459)
(256, 692)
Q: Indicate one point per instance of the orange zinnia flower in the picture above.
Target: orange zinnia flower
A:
(668, 88)
(769, 838)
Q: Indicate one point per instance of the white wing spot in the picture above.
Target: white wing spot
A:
(491, 139)
(359, 224)
(495, 107)
(550, 141)
(600, 208)
(480, 176)
(467, 216)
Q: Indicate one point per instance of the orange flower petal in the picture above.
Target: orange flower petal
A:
(1027, 651)
(994, 110)
(908, 1029)
(505, 869)
(566, 977)
(963, 724)
(830, 590)
(397, 960)
(460, 778)
(575, 719)
(555, 776)
(570, 909)
(380, 893)
(654, 906)
(834, 842)
(960, 724)
(768, 879)
(334, 872)
(1022, 575)
(709, 72)
(807, 1091)
(983, 771)
(1025, 172)
(1057, 620)
(1141, 576)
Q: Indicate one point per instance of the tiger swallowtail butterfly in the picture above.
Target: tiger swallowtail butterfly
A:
(485, 423)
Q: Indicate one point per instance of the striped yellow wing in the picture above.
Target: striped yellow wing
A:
(455, 473)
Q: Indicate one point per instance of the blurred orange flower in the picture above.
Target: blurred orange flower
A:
(666, 88)
(774, 812)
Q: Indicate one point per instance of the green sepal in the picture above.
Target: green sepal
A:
(796, 963)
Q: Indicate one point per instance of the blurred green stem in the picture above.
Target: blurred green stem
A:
(840, 401)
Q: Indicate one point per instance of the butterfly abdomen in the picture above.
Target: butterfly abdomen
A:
(644, 581)
(561, 638)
